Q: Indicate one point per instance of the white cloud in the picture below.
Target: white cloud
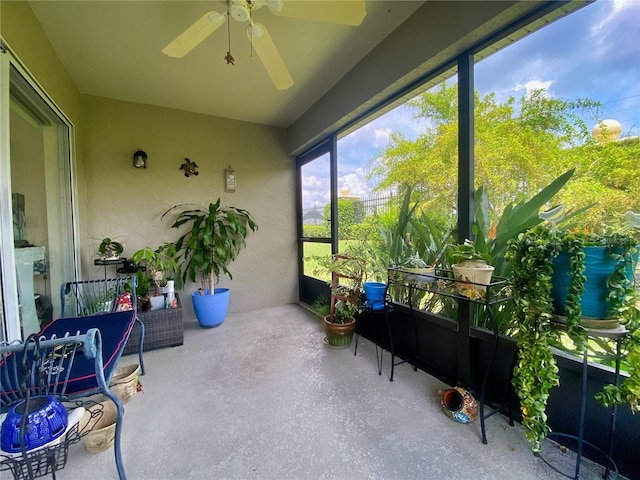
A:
(618, 6)
(315, 191)
(532, 85)
(356, 183)
(381, 136)
(312, 181)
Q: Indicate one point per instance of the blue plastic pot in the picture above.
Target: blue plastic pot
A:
(599, 266)
(211, 310)
(374, 292)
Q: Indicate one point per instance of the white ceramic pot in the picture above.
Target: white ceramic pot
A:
(424, 275)
(470, 275)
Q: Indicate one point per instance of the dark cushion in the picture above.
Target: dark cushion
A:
(114, 329)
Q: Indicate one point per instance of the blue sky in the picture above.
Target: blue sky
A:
(592, 53)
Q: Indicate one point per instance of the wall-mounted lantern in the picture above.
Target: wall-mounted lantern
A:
(140, 159)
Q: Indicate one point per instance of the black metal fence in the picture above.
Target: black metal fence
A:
(373, 205)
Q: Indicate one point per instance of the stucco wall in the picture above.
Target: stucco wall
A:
(114, 199)
(21, 30)
(23, 34)
(126, 203)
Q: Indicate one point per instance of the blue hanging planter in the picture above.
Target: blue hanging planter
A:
(598, 266)
(211, 310)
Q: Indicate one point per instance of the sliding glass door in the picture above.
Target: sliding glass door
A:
(36, 228)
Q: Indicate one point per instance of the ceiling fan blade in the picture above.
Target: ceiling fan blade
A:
(269, 56)
(340, 12)
(196, 33)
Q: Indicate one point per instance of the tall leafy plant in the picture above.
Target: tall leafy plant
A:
(491, 240)
(215, 237)
(415, 238)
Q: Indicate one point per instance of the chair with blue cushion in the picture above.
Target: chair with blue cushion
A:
(70, 359)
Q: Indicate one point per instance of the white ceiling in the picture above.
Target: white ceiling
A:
(113, 49)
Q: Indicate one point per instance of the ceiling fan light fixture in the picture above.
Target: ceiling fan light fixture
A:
(274, 6)
(239, 12)
(216, 17)
(255, 30)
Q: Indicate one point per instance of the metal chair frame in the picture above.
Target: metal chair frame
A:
(44, 368)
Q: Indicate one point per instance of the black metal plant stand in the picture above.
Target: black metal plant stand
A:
(387, 312)
(442, 282)
(617, 334)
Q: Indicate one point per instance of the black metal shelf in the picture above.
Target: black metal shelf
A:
(443, 282)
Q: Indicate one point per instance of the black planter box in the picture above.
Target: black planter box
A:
(163, 328)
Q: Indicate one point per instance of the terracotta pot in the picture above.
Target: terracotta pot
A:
(339, 334)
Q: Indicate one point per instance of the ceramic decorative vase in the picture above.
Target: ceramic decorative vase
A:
(459, 405)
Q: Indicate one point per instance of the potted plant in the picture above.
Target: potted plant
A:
(142, 291)
(410, 261)
(160, 262)
(215, 236)
(534, 260)
(416, 243)
(346, 282)
(470, 269)
(110, 249)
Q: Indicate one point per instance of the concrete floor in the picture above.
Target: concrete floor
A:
(261, 397)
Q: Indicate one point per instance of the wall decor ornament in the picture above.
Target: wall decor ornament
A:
(229, 180)
(189, 168)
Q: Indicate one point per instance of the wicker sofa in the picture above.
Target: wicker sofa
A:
(163, 328)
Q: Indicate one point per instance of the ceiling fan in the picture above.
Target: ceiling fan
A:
(338, 12)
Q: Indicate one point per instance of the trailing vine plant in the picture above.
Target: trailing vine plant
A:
(531, 255)
(624, 301)
(574, 247)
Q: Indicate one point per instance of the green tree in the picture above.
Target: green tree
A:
(520, 147)
(350, 213)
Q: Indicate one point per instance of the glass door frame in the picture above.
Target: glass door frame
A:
(310, 288)
(35, 96)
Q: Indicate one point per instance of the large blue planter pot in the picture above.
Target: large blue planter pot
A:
(211, 310)
(598, 267)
